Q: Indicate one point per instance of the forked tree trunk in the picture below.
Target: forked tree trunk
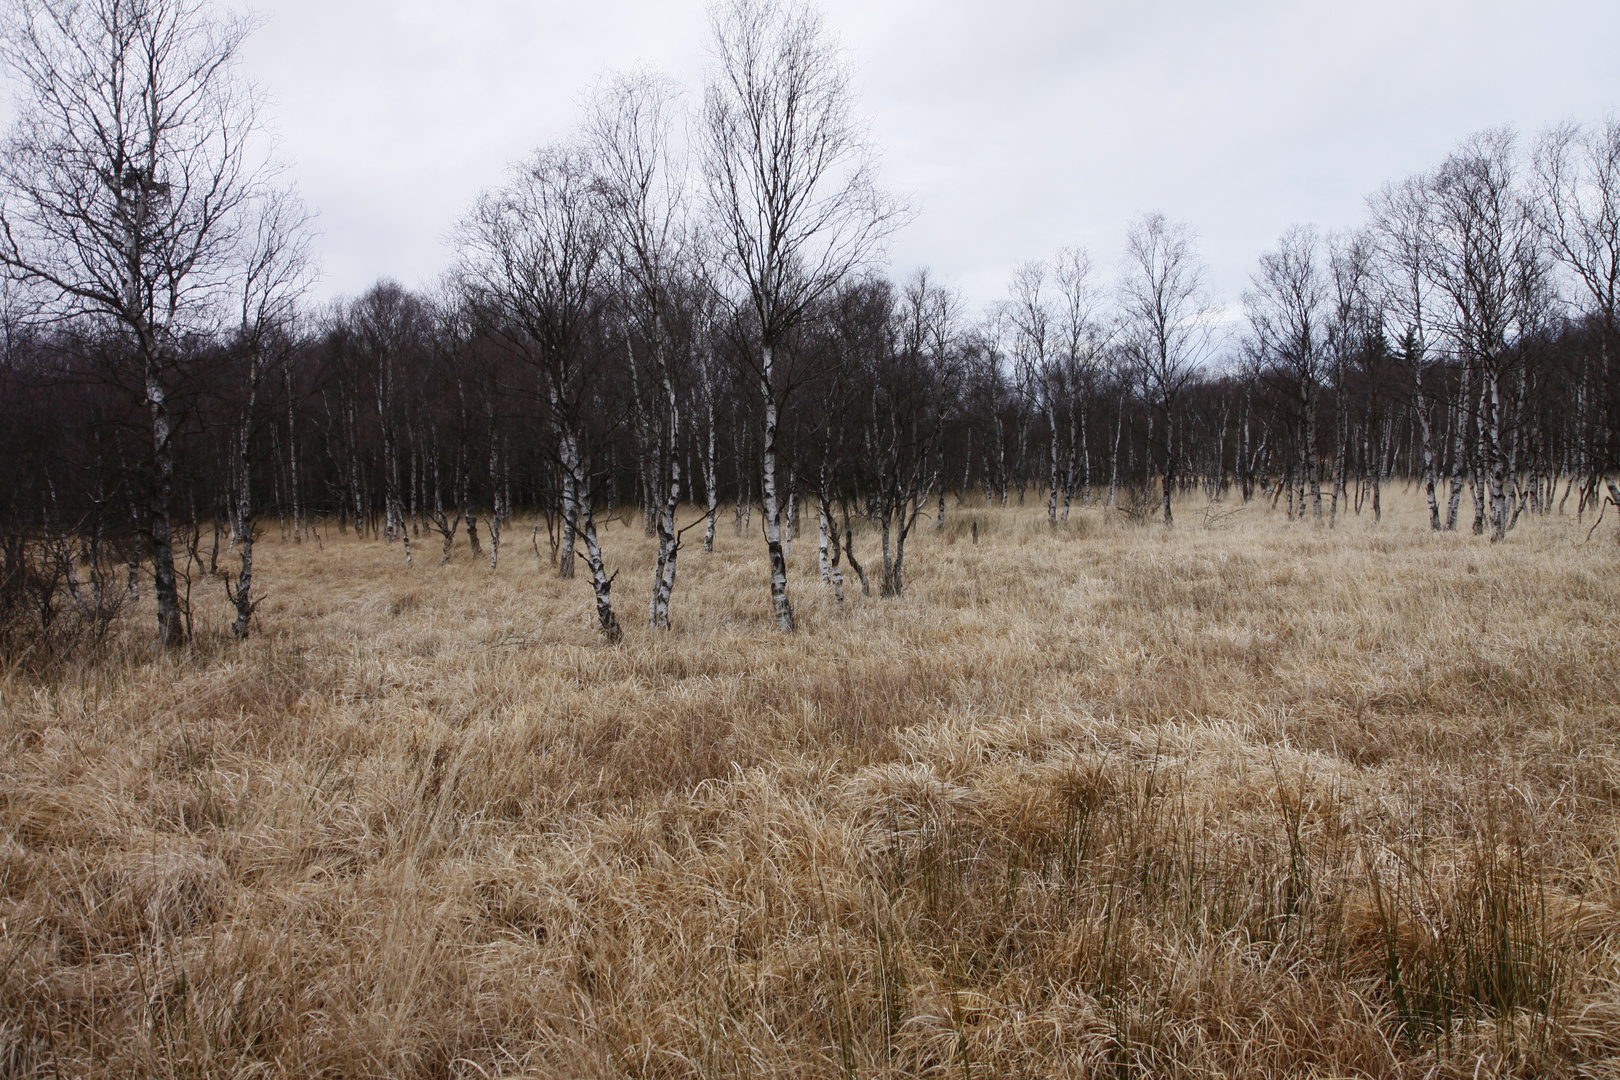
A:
(904, 513)
(601, 584)
(849, 552)
(827, 537)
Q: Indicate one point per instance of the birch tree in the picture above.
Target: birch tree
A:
(641, 183)
(790, 184)
(127, 188)
(1488, 265)
(1286, 309)
(912, 391)
(1165, 323)
(1029, 310)
(531, 257)
(391, 331)
(1352, 338)
(274, 275)
(1577, 183)
(1081, 339)
(1402, 226)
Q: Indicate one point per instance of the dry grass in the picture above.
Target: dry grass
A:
(1257, 800)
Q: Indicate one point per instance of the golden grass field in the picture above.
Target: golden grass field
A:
(1260, 800)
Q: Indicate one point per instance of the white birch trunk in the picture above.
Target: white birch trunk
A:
(1052, 478)
(601, 584)
(782, 607)
(711, 478)
(821, 542)
(568, 451)
(669, 542)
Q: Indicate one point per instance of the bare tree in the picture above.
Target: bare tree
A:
(1030, 313)
(1081, 338)
(1577, 180)
(911, 389)
(1352, 336)
(274, 275)
(642, 187)
(530, 263)
(1287, 310)
(1489, 265)
(1166, 323)
(128, 185)
(391, 330)
(790, 182)
(1402, 230)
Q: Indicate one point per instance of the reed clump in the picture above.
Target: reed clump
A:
(1252, 799)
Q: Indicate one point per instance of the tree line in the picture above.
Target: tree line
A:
(678, 315)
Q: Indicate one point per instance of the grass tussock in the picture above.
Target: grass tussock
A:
(1251, 799)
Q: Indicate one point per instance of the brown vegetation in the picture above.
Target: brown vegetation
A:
(1258, 799)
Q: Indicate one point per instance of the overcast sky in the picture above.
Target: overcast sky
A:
(1014, 127)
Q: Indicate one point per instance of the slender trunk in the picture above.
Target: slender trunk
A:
(849, 553)
(1377, 490)
(1313, 463)
(1477, 466)
(568, 451)
(1459, 462)
(292, 454)
(243, 518)
(1085, 457)
(1169, 461)
(393, 507)
(711, 481)
(1113, 471)
(159, 529)
(669, 543)
(1052, 478)
(644, 462)
(1426, 438)
(886, 588)
(1341, 432)
(497, 512)
(134, 583)
(413, 489)
(1495, 463)
(601, 584)
(829, 533)
(905, 512)
(820, 541)
(790, 517)
(1001, 460)
(783, 608)
(967, 469)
